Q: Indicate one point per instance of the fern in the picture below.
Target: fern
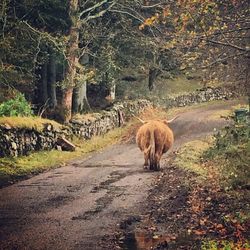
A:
(16, 107)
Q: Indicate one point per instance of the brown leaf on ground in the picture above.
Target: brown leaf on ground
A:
(199, 232)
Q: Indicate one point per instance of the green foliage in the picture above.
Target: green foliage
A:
(27, 30)
(17, 106)
(224, 245)
(232, 153)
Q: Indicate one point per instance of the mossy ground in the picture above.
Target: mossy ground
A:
(30, 122)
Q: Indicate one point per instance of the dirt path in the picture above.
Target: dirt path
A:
(82, 205)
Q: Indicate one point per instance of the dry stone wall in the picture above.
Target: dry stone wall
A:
(17, 141)
(101, 123)
(202, 95)
(21, 141)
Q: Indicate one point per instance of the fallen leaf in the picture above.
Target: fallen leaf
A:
(203, 221)
(199, 232)
(219, 226)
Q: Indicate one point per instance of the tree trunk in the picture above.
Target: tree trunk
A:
(111, 95)
(112, 92)
(72, 59)
(67, 104)
(80, 102)
(52, 79)
(152, 75)
(44, 84)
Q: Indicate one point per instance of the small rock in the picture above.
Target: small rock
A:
(59, 148)
(14, 145)
(49, 127)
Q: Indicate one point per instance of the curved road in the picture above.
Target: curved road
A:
(80, 205)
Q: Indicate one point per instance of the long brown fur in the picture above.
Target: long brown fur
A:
(154, 138)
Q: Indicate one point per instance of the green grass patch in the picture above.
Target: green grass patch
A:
(178, 85)
(190, 154)
(227, 154)
(164, 87)
(224, 245)
(30, 122)
(13, 169)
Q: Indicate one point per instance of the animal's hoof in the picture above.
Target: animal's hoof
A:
(151, 168)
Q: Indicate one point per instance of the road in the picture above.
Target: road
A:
(80, 205)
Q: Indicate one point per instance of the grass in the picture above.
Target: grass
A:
(190, 154)
(226, 112)
(222, 167)
(224, 245)
(31, 122)
(13, 169)
(164, 87)
(225, 156)
(231, 155)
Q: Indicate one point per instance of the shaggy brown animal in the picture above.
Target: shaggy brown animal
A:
(154, 138)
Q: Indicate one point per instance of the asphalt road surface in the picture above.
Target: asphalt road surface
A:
(76, 206)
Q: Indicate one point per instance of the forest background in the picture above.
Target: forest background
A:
(72, 56)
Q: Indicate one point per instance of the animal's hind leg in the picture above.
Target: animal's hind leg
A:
(146, 158)
(157, 167)
(153, 164)
(157, 162)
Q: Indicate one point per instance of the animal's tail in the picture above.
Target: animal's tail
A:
(152, 159)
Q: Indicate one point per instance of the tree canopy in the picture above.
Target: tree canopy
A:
(50, 50)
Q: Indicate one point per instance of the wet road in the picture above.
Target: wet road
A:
(75, 206)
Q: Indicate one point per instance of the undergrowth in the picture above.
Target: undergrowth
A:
(224, 245)
(18, 106)
(219, 194)
(231, 153)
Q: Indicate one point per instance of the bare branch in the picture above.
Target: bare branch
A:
(225, 44)
(127, 13)
(93, 7)
(150, 6)
(219, 60)
(46, 36)
(101, 13)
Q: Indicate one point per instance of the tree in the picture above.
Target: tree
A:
(72, 60)
(207, 35)
(31, 33)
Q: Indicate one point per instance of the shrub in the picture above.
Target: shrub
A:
(17, 106)
(232, 153)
